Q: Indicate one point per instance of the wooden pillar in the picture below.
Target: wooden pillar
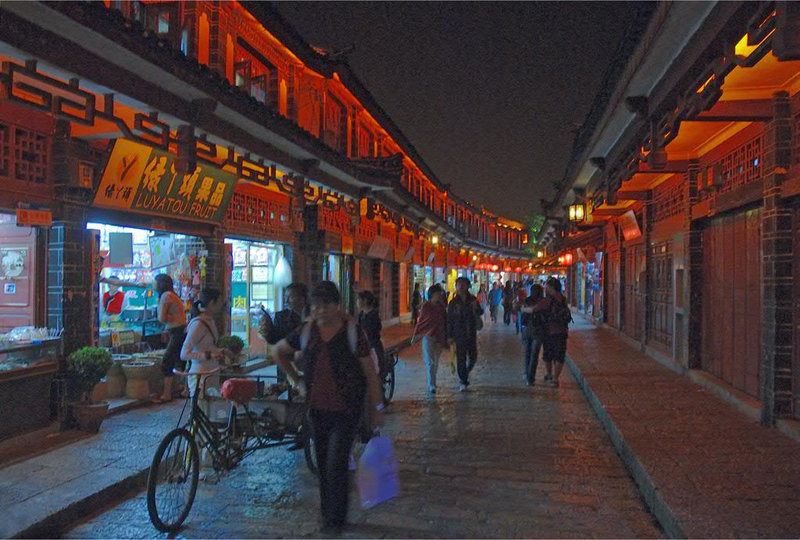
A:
(694, 279)
(776, 250)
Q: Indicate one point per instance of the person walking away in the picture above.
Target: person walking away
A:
(370, 322)
(507, 300)
(519, 298)
(556, 310)
(172, 314)
(483, 298)
(416, 301)
(286, 320)
(432, 328)
(495, 298)
(534, 329)
(462, 312)
(339, 380)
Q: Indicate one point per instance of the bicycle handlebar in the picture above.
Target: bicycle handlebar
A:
(188, 373)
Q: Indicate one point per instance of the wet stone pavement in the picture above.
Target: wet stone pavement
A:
(501, 460)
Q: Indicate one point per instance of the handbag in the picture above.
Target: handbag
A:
(376, 476)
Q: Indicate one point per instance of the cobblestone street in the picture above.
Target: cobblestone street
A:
(501, 460)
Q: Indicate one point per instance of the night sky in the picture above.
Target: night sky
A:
(488, 93)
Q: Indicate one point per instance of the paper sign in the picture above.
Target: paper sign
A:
(34, 218)
(630, 227)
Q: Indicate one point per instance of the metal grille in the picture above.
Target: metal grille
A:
(24, 154)
(659, 323)
(668, 201)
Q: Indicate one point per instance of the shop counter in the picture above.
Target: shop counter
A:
(26, 374)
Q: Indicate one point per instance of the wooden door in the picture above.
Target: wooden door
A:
(731, 338)
(660, 306)
(796, 280)
(634, 291)
(18, 274)
(613, 284)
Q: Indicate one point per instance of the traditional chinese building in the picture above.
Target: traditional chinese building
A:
(206, 140)
(683, 197)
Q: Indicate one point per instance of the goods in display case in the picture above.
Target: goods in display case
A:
(128, 305)
(29, 358)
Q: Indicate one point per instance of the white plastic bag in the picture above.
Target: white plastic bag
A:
(376, 476)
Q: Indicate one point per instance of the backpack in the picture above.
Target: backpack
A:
(352, 340)
(559, 314)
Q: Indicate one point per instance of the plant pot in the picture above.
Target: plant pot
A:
(115, 377)
(89, 414)
(137, 376)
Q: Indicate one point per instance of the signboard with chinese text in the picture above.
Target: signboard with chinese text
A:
(34, 218)
(142, 179)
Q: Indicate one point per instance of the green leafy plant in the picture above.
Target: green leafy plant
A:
(232, 343)
(86, 367)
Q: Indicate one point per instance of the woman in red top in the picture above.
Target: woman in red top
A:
(432, 328)
(339, 379)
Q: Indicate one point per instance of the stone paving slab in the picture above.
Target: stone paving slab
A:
(705, 469)
(42, 495)
(499, 461)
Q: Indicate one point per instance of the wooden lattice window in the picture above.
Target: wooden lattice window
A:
(24, 154)
(741, 166)
(668, 201)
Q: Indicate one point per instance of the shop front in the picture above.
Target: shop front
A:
(146, 220)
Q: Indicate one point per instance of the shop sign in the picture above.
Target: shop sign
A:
(630, 227)
(34, 218)
(143, 179)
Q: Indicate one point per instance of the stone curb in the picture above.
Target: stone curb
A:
(56, 523)
(647, 488)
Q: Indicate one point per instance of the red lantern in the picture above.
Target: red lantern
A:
(494, 268)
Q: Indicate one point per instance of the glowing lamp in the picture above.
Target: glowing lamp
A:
(434, 240)
(576, 212)
(568, 259)
(495, 268)
(474, 257)
(540, 254)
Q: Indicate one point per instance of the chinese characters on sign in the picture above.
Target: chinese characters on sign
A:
(143, 179)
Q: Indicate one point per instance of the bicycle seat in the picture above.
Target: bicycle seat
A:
(239, 391)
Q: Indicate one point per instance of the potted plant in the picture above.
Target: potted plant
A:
(234, 344)
(85, 368)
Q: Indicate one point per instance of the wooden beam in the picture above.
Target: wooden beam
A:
(672, 166)
(632, 195)
(611, 212)
(746, 110)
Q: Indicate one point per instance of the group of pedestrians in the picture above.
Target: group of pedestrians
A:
(335, 360)
(450, 325)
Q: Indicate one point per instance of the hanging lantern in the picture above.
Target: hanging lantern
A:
(576, 212)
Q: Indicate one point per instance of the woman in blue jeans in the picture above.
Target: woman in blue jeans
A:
(533, 333)
(432, 328)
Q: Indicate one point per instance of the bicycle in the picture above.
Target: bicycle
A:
(175, 469)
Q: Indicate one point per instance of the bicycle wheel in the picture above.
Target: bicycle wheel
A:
(308, 447)
(387, 385)
(172, 480)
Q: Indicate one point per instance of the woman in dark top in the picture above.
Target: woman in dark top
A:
(370, 322)
(339, 379)
(534, 329)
